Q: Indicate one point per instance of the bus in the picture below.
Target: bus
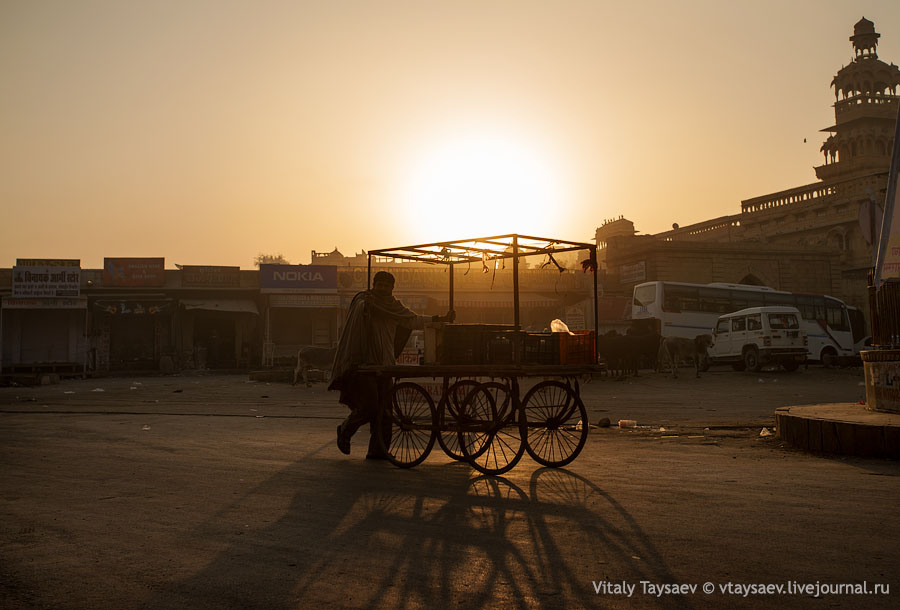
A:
(688, 310)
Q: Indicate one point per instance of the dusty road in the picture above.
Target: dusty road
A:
(212, 492)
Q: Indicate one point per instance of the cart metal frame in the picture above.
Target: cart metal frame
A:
(486, 424)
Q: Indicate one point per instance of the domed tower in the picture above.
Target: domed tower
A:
(865, 111)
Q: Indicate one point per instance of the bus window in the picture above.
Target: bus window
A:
(738, 324)
(857, 323)
(836, 318)
(820, 308)
(754, 322)
(780, 299)
(744, 299)
(645, 295)
(715, 300)
(681, 298)
(806, 305)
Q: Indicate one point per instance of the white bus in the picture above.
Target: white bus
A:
(687, 310)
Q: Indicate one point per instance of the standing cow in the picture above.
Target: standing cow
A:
(675, 349)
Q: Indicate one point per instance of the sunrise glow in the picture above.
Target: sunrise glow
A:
(479, 186)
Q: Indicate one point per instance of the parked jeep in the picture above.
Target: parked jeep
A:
(756, 336)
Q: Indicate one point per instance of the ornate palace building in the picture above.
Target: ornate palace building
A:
(814, 238)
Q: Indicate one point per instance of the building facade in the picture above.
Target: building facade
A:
(135, 315)
(812, 238)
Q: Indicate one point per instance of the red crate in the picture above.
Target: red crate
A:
(577, 347)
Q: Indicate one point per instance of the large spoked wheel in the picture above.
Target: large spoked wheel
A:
(490, 434)
(408, 428)
(556, 423)
(448, 417)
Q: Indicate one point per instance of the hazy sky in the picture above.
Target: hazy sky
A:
(208, 131)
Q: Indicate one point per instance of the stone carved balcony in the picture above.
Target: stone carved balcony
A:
(859, 165)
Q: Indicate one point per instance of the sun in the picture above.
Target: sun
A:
(482, 186)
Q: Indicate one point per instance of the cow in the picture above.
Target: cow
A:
(312, 357)
(613, 348)
(626, 354)
(643, 347)
(675, 349)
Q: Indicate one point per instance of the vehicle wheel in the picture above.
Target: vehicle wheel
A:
(490, 435)
(738, 366)
(557, 423)
(791, 365)
(448, 417)
(829, 357)
(751, 359)
(448, 414)
(412, 419)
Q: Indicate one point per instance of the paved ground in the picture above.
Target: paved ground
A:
(212, 492)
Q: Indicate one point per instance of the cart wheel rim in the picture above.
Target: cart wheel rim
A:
(556, 423)
(493, 444)
(406, 432)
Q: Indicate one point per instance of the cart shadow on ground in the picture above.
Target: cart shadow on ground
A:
(366, 535)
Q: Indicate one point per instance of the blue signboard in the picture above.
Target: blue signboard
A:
(291, 278)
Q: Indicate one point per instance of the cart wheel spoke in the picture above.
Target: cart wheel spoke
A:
(408, 428)
(492, 430)
(448, 417)
(557, 425)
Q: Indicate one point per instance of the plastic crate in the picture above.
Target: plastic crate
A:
(477, 344)
(460, 347)
(540, 348)
(577, 348)
(499, 346)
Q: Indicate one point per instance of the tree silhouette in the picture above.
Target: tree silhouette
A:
(270, 259)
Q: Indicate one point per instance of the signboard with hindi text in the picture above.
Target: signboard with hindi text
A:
(210, 276)
(134, 271)
(48, 262)
(46, 281)
(43, 303)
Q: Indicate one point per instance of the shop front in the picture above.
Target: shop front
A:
(217, 319)
(43, 335)
(217, 332)
(132, 315)
(301, 308)
(133, 334)
(43, 321)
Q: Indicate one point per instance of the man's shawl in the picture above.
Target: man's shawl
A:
(360, 344)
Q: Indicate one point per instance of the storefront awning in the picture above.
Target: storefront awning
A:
(230, 305)
(123, 307)
(44, 303)
(304, 300)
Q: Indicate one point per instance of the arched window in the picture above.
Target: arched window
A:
(751, 280)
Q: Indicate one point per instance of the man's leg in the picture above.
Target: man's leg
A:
(357, 397)
(382, 401)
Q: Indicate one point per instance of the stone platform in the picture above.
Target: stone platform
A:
(840, 428)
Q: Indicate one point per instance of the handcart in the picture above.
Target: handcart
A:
(491, 424)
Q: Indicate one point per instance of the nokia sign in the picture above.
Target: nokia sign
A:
(298, 276)
(291, 278)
